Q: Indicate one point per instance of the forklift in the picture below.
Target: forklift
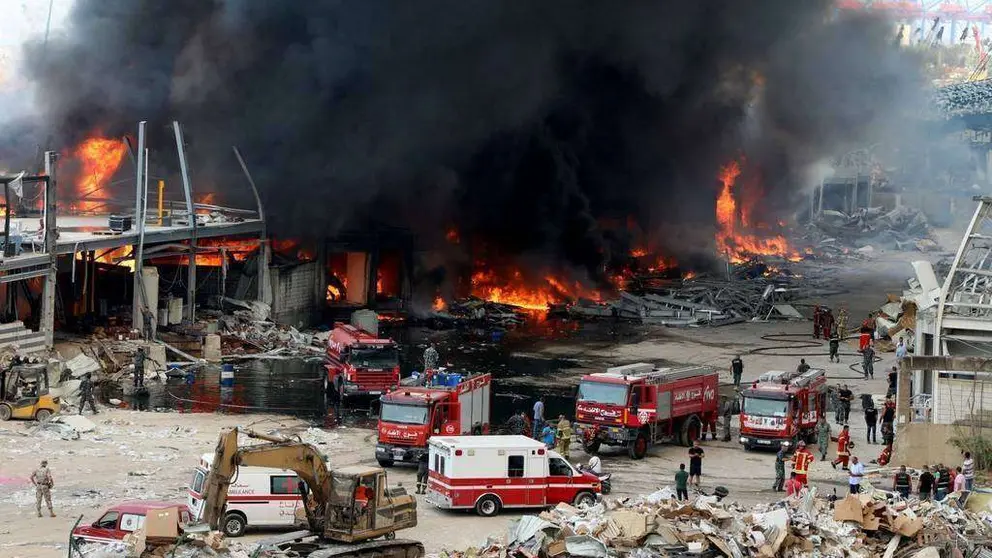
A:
(24, 393)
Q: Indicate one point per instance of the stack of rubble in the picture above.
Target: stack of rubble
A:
(249, 331)
(658, 525)
(474, 310)
(903, 228)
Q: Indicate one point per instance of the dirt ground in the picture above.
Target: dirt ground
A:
(145, 455)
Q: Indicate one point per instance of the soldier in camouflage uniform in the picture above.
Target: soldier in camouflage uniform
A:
(779, 470)
(823, 437)
(43, 483)
(86, 394)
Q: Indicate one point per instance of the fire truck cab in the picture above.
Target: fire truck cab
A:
(782, 408)
(358, 362)
(489, 473)
(451, 404)
(637, 405)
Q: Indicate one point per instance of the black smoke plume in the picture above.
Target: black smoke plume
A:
(533, 127)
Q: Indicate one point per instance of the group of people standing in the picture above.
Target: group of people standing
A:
(556, 436)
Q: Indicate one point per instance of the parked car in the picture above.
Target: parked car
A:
(118, 521)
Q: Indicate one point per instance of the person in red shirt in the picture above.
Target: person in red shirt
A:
(885, 456)
(843, 448)
(793, 486)
(801, 461)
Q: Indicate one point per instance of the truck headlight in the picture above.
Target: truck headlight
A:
(743, 440)
(786, 443)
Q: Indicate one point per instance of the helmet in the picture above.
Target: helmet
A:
(802, 444)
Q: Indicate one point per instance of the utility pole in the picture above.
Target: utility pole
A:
(139, 298)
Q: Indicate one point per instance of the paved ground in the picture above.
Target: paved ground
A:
(150, 455)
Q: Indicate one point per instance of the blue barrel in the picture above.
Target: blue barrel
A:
(227, 375)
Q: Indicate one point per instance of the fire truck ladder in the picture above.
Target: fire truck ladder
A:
(793, 378)
(657, 375)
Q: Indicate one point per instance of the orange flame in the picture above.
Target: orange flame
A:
(513, 289)
(735, 242)
(100, 158)
(452, 236)
(439, 304)
(333, 293)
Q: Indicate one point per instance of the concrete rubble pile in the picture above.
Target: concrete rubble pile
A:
(473, 310)
(869, 525)
(249, 331)
(209, 544)
(903, 228)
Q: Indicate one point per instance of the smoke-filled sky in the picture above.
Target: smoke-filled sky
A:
(531, 126)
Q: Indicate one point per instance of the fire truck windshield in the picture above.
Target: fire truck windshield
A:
(403, 414)
(385, 357)
(765, 407)
(602, 392)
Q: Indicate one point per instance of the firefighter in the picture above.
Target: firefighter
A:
(843, 448)
(842, 323)
(823, 437)
(728, 412)
(827, 323)
(564, 435)
(885, 456)
(817, 321)
(801, 460)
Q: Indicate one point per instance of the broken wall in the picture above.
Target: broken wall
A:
(918, 444)
(294, 299)
(962, 399)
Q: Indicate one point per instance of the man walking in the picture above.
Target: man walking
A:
(139, 368)
(871, 421)
(779, 485)
(538, 417)
(516, 424)
(855, 473)
(845, 396)
(801, 461)
(737, 369)
(86, 394)
(900, 350)
(41, 478)
(834, 347)
(902, 483)
(682, 484)
(422, 474)
(696, 455)
(823, 437)
(843, 449)
(888, 422)
(893, 381)
(868, 361)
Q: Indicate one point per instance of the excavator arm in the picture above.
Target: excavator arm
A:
(278, 453)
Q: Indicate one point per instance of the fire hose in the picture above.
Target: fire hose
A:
(802, 341)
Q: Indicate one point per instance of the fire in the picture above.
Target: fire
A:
(333, 293)
(439, 304)
(452, 236)
(733, 237)
(100, 158)
(638, 253)
(513, 289)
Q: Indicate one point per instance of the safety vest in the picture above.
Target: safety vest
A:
(801, 461)
(902, 481)
(843, 441)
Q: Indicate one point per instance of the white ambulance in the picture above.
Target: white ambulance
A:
(489, 473)
(257, 496)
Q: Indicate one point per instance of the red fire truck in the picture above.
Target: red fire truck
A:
(638, 405)
(358, 362)
(782, 408)
(451, 405)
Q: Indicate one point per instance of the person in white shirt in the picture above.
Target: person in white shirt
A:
(968, 468)
(855, 472)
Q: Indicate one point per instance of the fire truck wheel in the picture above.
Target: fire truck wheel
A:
(488, 506)
(385, 463)
(592, 447)
(584, 499)
(691, 429)
(639, 448)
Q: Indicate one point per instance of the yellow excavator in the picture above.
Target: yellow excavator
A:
(346, 509)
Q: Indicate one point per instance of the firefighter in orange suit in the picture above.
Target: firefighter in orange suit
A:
(843, 448)
(801, 460)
